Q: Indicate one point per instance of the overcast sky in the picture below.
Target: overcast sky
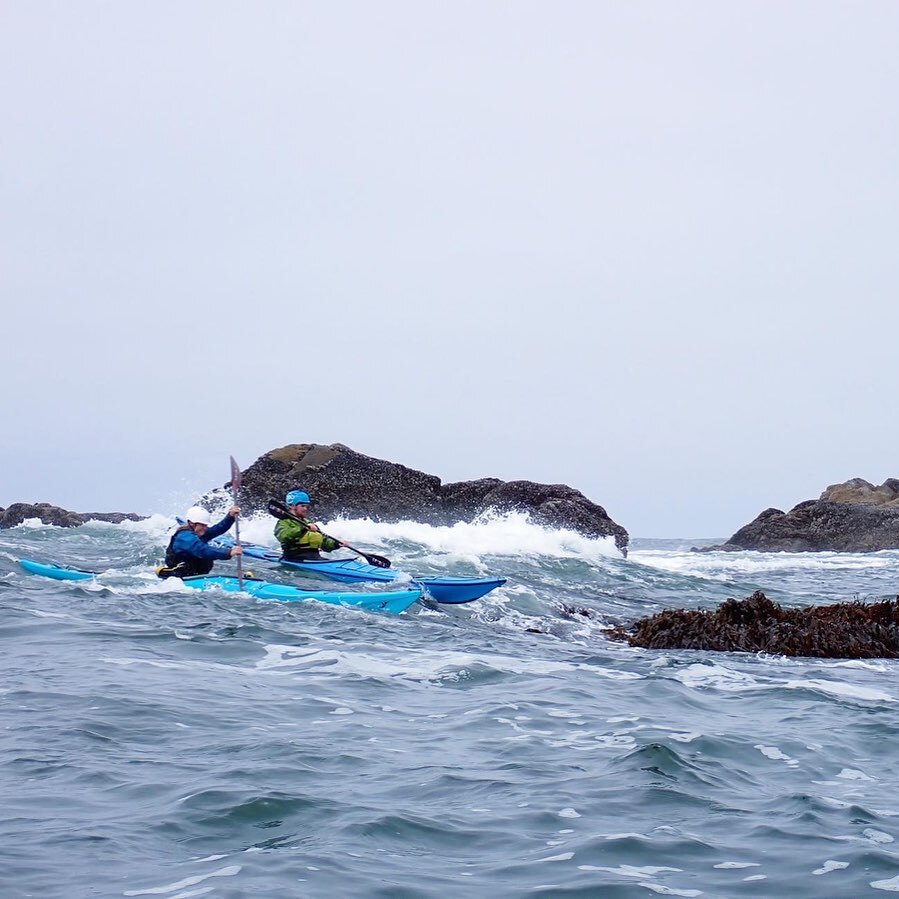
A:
(647, 249)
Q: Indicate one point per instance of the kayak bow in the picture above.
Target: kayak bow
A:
(57, 572)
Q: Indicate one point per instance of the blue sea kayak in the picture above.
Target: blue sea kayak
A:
(395, 601)
(444, 589)
(55, 571)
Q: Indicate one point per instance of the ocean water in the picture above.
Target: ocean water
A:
(156, 741)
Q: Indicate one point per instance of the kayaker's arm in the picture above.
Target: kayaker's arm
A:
(188, 542)
(223, 526)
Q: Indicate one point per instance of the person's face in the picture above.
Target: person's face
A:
(300, 509)
(199, 528)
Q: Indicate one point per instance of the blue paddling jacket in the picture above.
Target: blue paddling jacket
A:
(192, 555)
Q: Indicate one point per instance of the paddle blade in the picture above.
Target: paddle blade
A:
(372, 559)
(235, 476)
(279, 510)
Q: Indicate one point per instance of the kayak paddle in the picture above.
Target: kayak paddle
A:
(279, 510)
(235, 488)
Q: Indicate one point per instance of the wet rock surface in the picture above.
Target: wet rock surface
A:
(854, 516)
(344, 482)
(15, 514)
(853, 630)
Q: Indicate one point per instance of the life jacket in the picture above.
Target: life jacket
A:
(301, 546)
(180, 564)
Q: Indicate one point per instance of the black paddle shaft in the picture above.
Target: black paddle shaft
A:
(279, 510)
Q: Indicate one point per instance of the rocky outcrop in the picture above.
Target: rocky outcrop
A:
(344, 482)
(854, 516)
(756, 624)
(49, 514)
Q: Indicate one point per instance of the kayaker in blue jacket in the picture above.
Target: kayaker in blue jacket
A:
(301, 540)
(189, 552)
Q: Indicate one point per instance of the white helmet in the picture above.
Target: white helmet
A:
(197, 515)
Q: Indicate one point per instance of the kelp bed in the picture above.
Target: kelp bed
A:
(854, 630)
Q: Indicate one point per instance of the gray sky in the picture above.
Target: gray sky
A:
(647, 249)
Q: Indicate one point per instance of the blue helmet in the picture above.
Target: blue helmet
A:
(297, 496)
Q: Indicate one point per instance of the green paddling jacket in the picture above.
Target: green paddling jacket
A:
(298, 543)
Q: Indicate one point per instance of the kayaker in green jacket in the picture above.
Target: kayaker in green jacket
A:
(302, 541)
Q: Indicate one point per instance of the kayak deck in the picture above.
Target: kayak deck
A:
(394, 601)
(441, 588)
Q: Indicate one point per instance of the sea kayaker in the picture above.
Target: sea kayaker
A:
(302, 540)
(189, 552)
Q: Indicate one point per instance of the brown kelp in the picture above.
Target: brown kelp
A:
(852, 630)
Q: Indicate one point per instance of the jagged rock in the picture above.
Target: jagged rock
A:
(50, 514)
(853, 630)
(854, 516)
(47, 513)
(344, 482)
(112, 517)
(858, 490)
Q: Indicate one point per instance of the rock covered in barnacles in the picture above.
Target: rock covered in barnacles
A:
(854, 516)
(344, 482)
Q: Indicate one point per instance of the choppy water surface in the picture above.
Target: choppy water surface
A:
(157, 741)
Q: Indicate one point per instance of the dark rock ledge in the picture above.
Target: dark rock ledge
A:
(49, 514)
(344, 482)
(854, 516)
(853, 630)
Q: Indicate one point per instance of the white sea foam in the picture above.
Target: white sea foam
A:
(509, 534)
(711, 675)
(772, 752)
(669, 891)
(228, 871)
(439, 664)
(492, 534)
(416, 666)
(840, 690)
(830, 801)
(35, 523)
(156, 526)
(724, 566)
(854, 774)
(829, 866)
(631, 870)
(684, 737)
(868, 665)
(877, 836)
